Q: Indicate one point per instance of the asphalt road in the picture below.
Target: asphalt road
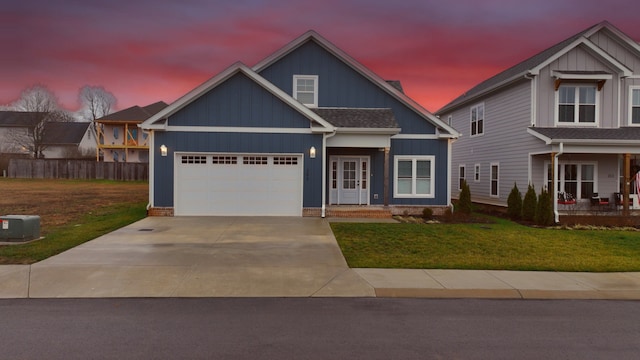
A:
(313, 328)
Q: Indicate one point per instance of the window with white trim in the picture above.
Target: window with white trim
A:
(634, 110)
(577, 104)
(476, 173)
(414, 176)
(461, 175)
(495, 180)
(305, 89)
(577, 179)
(477, 119)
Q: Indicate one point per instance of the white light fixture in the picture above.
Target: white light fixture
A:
(163, 150)
(312, 152)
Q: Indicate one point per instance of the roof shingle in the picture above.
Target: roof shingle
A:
(358, 118)
(135, 113)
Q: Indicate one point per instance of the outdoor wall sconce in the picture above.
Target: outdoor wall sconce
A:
(163, 150)
(312, 152)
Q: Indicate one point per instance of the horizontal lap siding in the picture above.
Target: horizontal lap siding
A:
(237, 143)
(505, 141)
(341, 86)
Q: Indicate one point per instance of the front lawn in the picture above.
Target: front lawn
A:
(71, 212)
(502, 245)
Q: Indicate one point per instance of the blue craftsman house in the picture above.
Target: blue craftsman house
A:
(307, 131)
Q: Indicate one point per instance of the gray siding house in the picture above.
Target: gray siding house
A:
(307, 130)
(575, 104)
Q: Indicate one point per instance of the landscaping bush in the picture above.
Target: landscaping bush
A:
(544, 211)
(529, 204)
(464, 200)
(427, 213)
(514, 203)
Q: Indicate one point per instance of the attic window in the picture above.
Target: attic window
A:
(597, 77)
(305, 89)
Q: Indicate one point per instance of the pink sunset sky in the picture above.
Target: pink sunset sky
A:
(144, 51)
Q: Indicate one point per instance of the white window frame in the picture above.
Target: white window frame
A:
(576, 114)
(414, 159)
(450, 120)
(477, 120)
(476, 173)
(631, 106)
(315, 88)
(561, 176)
(491, 180)
(462, 175)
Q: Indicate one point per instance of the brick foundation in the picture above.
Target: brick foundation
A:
(160, 211)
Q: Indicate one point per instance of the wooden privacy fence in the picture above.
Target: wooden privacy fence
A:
(76, 169)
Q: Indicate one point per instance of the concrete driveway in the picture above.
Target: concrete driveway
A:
(203, 256)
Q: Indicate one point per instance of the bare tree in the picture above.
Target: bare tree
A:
(96, 102)
(39, 106)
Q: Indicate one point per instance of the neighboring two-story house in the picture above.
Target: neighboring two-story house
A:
(307, 130)
(576, 104)
(120, 139)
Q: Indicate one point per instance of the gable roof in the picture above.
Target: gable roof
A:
(533, 64)
(135, 113)
(64, 133)
(444, 129)
(18, 118)
(158, 121)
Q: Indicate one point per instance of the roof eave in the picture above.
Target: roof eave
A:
(153, 123)
(500, 85)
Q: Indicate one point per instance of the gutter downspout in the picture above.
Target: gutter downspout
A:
(151, 157)
(325, 136)
(555, 183)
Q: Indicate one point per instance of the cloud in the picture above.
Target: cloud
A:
(144, 51)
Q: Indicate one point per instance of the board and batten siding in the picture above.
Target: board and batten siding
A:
(577, 59)
(339, 85)
(206, 142)
(505, 141)
(439, 149)
(239, 102)
(614, 48)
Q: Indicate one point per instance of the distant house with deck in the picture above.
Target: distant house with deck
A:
(120, 139)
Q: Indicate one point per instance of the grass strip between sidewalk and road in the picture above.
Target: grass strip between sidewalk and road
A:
(90, 226)
(501, 245)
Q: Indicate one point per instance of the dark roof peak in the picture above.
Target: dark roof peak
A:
(135, 113)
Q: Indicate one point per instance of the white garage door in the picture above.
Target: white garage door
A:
(238, 184)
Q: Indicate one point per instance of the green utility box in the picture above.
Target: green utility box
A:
(19, 227)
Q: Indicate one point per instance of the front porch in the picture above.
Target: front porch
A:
(371, 211)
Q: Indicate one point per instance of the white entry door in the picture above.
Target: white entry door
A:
(350, 181)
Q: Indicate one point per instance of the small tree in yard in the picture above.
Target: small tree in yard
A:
(514, 203)
(464, 200)
(544, 211)
(529, 204)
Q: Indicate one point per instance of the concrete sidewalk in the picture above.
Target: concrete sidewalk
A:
(490, 284)
(269, 257)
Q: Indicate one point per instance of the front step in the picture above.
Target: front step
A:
(376, 212)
